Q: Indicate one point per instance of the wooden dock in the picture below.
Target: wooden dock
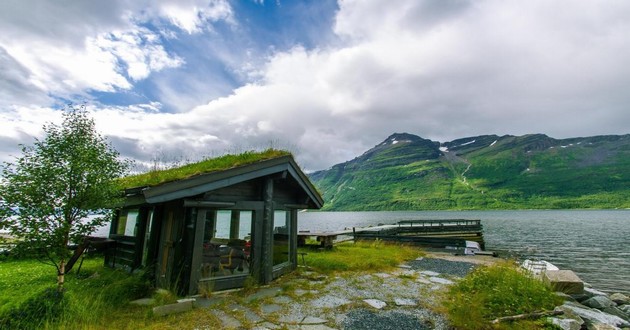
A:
(432, 233)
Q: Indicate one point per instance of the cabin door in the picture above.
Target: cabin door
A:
(171, 231)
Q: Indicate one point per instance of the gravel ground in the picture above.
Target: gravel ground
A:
(453, 268)
(363, 319)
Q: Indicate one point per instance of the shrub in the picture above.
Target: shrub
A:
(495, 291)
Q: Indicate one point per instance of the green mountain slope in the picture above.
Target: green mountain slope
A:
(406, 172)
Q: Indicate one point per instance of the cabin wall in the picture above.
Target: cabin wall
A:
(172, 245)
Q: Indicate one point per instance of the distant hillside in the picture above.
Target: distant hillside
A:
(407, 172)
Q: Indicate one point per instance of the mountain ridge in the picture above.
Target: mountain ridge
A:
(408, 172)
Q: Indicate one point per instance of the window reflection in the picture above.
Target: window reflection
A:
(227, 243)
(281, 237)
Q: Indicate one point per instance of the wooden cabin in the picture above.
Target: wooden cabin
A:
(214, 230)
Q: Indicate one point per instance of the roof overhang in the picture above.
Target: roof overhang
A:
(202, 183)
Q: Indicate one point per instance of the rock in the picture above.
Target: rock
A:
(328, 301)
(173, 308)
(267, 309)
(378, 304)
(440, 280)
(143, 302)
(601, 326)
(566, 324)
(616, 311)
(564, 281)
(565, 296)
(593, 316)
(625, 309)
(429, 273)
(313, 320)
(405, 302)
(599, 302)
(620, 298)
(594, 292)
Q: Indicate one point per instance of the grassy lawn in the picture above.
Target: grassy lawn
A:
(99, 297)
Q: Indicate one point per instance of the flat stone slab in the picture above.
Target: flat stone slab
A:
(313, 320)
(266, 326)
(283, 300)
(143, 302)
(173, 308)
(228, 321)
(564, 281)
(315, 327)
(291, 319)
(429, 273)
(378, 304)
(247, 313)
(329, 302)
(207, 302)
(440, 280)
(264, 293)
(270, 308)
(405, 302)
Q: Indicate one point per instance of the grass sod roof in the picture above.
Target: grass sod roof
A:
(155, 178)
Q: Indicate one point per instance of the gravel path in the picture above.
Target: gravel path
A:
(442, 266)
(363, 319)
(400, 299)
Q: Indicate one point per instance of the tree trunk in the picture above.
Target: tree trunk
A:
(61, 275)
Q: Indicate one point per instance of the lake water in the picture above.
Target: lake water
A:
(594, 244)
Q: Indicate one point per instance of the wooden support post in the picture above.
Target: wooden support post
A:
(267, 240)
(197, 250)
(235, 222)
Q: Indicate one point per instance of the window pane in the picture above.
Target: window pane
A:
(226, 244)
(280, 237)
(127, 222)
(130, 227)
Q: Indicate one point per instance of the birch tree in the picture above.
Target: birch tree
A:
(57, 191)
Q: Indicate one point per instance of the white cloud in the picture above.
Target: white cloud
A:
(192, 15)
(439, 69)
(91, 46)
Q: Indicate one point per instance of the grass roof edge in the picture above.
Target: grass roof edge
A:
(225, 162)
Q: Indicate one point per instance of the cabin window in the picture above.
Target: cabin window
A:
(127, 220)
(147, 237)
(281, 230)
(226, 243)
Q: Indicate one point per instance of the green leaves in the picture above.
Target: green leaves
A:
(48, 193)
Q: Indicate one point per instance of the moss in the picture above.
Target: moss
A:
(154, 178)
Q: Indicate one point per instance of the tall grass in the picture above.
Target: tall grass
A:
(495, 291)
(29, 299)
(360, 256)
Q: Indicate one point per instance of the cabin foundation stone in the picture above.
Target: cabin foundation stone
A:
(179, 307)
(564, 281)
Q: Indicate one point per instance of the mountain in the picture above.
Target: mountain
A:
(407, 172)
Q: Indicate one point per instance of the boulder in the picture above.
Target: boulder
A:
(594, 316)
(600, 326)
(620, 298)
(566, 324)
(564, 281)
(625, 309)
(599, 302)
(616, 311)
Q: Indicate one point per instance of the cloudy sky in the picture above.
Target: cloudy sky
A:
(175, 79)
